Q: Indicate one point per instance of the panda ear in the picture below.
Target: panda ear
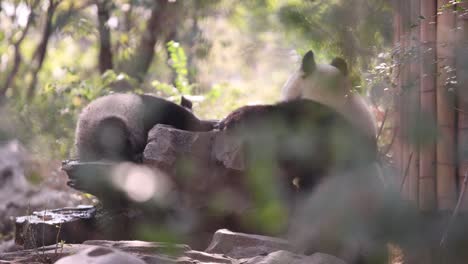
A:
(341, 65)
(186, 103)
(308, 65)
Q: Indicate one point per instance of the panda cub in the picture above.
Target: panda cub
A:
(116, 126)
(330, 85)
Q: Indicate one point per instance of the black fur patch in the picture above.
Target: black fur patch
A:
(186, 103)
(120, 133)
(303, 137)
(341, 65)
(308, 65)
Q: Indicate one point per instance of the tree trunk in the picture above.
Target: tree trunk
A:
(105, 48)
(17, 57)
(41, 50)
(427, 154)
(163, 20)
(446, 169)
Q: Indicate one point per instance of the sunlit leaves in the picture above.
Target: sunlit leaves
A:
(79, 27)
(178, 62)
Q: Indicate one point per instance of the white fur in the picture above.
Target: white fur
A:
(327, 85)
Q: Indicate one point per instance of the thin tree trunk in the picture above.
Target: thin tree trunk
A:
(462, 96)
(427, 155)
(446, 169)
(17, 57)
(105, 48)
(41, 50)
(163, 20)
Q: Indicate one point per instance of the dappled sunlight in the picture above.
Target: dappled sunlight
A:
(340, 125)
(141, 183)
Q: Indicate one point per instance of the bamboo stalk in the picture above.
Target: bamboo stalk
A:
(405, 86)
(427, 154)
(396, 144)
(414, 100)
(462, 96)
(445, 168)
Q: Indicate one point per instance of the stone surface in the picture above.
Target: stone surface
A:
(166, 145)
(227, 247)
(19, 197)
(100, 255)
(141, 247)
(227, 149)
(47, 254)
(239, 245)
(73, 225)
(280, 257)
(205, 167)
(89, 177)
(321, 258)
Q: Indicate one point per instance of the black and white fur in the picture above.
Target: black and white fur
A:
(329, 84)
(116, 126)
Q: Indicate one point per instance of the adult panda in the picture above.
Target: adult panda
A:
(116, 126)
(319, 97)
(329, 84)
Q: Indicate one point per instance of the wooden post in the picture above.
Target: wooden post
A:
(462, 98)
(427, 154)
(397, 146)
(414, 100)
(445, 168)
(404, 96)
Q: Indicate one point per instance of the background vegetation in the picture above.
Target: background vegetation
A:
(57, 55)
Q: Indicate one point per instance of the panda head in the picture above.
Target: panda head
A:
(318, 82)
(325, 77)
(309, 66)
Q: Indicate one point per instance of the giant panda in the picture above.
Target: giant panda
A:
(319, 98)
(115, 127)
(329, 84)
(302, 141)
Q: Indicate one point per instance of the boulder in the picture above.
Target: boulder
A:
(227, 248)
(18, 196)
(214, 149)
(73, 225)
(280, 257)
(100, 255)
(239, 245)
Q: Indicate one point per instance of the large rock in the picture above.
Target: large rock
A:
(239, 245)
(207, 170)
(18, 196)
(166, 145)
(100, 255)
(227, 248)
(280, 257)
(73, 225)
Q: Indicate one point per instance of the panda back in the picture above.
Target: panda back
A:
(358, 110)
(292, 89)
(128, 108)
